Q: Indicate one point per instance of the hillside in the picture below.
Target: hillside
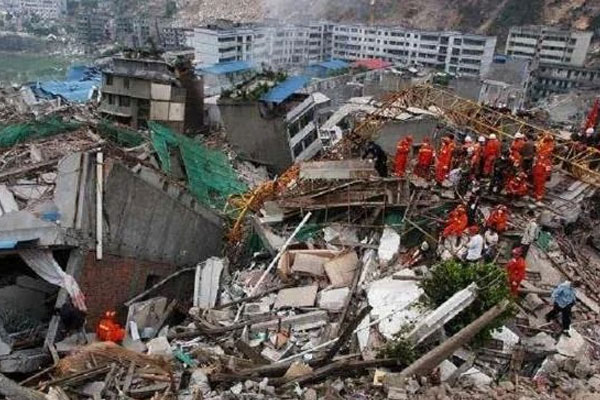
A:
(483, 16)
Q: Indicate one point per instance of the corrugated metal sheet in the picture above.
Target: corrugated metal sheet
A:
(285, 89)
(226, 68)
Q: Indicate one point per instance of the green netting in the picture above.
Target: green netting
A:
(18, 133)
(121, 136)
(210, 176)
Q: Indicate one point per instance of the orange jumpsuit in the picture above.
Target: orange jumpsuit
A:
(476, 159)
(541, 171)
(444, 160)
(498, 220)
(515, 152)
(517, 185)
(424, 160)
(402, 153)
(516, 273)
(545, 147)
(108, 330)
(457, 222)
(490, 153)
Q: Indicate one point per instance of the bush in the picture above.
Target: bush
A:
(449, 277)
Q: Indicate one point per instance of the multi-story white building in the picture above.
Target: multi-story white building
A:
(548, 45)
(45, 9)
(297, 45)
(453, 52)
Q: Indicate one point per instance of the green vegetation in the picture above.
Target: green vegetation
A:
(449, 277)
(400, 349)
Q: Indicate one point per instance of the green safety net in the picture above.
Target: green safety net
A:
(121, 136)
(18, 133)
(211, 177)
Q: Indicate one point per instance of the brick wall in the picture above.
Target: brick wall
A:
(110, 282)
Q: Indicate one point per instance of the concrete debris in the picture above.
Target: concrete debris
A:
(206, 288)
(333, 300)
(389, 246)
(341, 270)
(304, 296)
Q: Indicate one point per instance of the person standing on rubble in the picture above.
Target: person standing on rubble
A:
(477, 157)
(402, 155)
(374, 152)
(498, 219)
(444, 159)
(474, 248)
(545, 147)
(424, 159)
(528, 153)
(501, 174)
(491, 152)
(564, 298)
(490, 244)
(457, 222)
(542, 170)
(531, 232)
(515, 269)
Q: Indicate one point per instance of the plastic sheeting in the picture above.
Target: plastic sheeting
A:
(42, 262)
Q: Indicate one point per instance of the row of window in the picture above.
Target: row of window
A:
(305, 143)
(115, 99)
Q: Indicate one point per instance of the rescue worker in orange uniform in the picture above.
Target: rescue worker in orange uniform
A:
(516, 159)
(476, 157)
(108, 330)
(402, 154)
(444, 159)
(515, 269)
(424, 159)
(498, 219)
(457, 222)
(491, 152)
(517, 185)
(541, 171)
(545, 147)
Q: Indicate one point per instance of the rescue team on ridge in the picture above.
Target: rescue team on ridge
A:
(523, 168)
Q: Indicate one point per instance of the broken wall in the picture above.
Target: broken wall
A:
(110, 282)
(393, 131)
(256, 138)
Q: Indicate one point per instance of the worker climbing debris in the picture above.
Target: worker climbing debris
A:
(491, 152)
(515, 269)
(498, 219)
(563, 299)
(402, 156)
(375, 153)
(444, 159)
(425, 159)
(457, 222)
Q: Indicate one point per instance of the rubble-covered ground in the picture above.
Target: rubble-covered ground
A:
(329, 292)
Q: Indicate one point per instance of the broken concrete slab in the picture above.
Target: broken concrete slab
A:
(299, 322)
(476, 377)
(309, 264)
(341, 269)
(206, 287)
(6, 342)
(507, 337)
(147, 314)
(288, 258)
(7, 201)
(389, 246)
(444, 313)
(333, 300)
(573, 345)
(393, 302)
(159, 347)
(303, 296)
(337, 170)
(24, 361)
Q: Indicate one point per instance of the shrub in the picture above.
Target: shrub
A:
(449, 277)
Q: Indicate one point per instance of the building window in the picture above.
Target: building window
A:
(126, 83)
(298, 149)
(110, 99)
(109, 80)
(124, 101)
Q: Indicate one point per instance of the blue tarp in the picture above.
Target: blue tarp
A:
(285, 89)
(334, 64)
(77, 87)
(7, 244)
(226, 68)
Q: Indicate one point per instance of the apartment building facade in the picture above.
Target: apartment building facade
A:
(549, 45)
(297, 45)
(452, 52)
(45, 9)
(561, 78)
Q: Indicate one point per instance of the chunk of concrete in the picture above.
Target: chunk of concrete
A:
(333, 300)
(147, 314)
(389, 245)
(160, 347)
(476, 377)
(299, 322)
(541, 342)
(341, 269)
(447, 368)
(207, 282)
(303, 296)
(573, 345)
(533, 302)
(507, 337)
(309, 264)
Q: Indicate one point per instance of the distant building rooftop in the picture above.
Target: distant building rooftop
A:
(371, 63)
(226, 68)
(285, 89)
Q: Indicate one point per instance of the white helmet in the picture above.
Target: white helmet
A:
(589, 131)
(481, 139)
(492, 136)
(519, 135)
(468, 139)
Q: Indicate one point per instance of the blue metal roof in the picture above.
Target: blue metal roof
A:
(285, 89)
(334, 64)
(77, 87)
(226, 68)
